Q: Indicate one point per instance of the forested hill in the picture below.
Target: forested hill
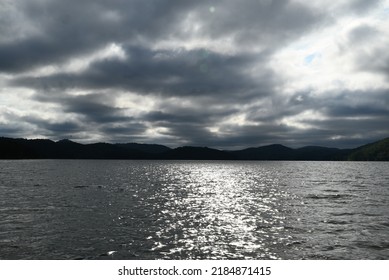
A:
(377, 151)
(65, 149)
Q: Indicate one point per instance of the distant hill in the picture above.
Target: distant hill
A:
(280, 152)
(65, 149)
(320, 153)
(377, 151)
(271, 152)
(147, 148)
(196, 153)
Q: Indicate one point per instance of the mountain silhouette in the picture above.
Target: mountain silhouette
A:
(146, 148)
(377, 151)
(270, 152)
(197, 153)
(11, 148)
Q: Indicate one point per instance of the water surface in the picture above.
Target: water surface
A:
(86, 209)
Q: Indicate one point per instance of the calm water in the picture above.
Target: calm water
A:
(74, 209)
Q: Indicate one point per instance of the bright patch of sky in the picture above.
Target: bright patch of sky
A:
(325, 59)
(310, 58)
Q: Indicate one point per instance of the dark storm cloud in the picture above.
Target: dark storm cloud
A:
(7, 131)
(56, 129)
(173, 117)
(91, 107)
(358, 131)
(90, 117)
(190, 126)
(35, 124)
(254, 135)
(93, 111)
(361, 103)
(230, 137)
(357, 111)
(329, 116)
(175, 114)
(124, 132)
(22, 55)
(268, 24)
(351, 113)
(124, 129)
(168, 72)
(190, 134)
(369, 103)
(73, 28)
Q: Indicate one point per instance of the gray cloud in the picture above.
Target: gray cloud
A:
(74, 28)
(93, 107)
(55, 129)
(93, 110)
(167, 72)
(363, 33)
(376, 60)
(206, 68)
(7, 131)
(265, 23)
(362, 6)
(65, 29)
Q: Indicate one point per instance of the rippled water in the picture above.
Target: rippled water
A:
(74, 209)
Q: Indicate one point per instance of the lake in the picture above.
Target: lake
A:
(97, 209)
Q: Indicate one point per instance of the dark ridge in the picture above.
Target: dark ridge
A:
(109, 151)
(320, 153)
(377, 151)
(270, 152)
(14, 149)
(197, 153)
(66, 149)
(147, 148)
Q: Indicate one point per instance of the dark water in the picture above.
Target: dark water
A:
(71, 209)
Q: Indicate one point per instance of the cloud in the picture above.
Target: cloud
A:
(264, 24)
(370, 53)
(226, 74)
(362, 6)
(167, 72)
(53, 31)
(363, 33)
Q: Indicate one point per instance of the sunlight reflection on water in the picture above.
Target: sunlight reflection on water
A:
(221, 214)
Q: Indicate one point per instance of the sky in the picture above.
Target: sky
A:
(224, 74)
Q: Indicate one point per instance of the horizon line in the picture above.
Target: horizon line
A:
(192, 146)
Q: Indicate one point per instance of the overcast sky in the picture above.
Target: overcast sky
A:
(225, 74)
